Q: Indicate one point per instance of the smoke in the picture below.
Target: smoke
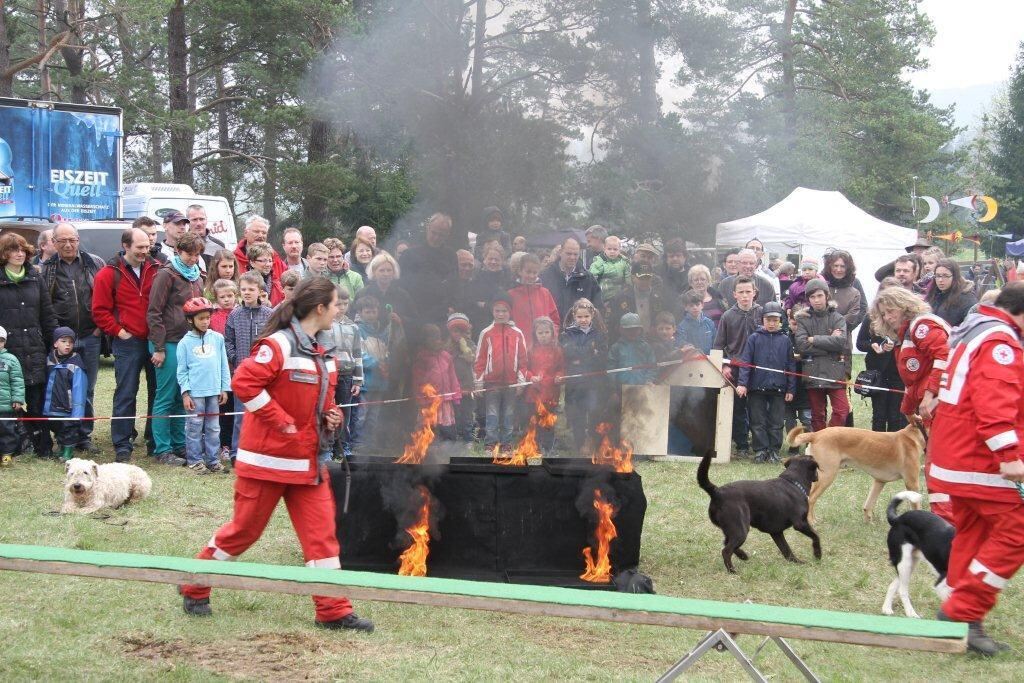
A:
(402, 497)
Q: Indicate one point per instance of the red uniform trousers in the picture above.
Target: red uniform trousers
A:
(311, 508)
(819, 408)
(988, 549)
(939, 503)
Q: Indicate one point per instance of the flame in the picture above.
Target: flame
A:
(620, 457)
(527, 447)
(600, 571)
(416, 450)
(414, 559)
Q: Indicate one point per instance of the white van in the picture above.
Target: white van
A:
(157, 199)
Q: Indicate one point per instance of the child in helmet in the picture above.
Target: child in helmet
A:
(205, 380)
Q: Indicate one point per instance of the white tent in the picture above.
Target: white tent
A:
(810, 222)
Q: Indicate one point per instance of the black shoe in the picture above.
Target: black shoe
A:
(170, 459)
(197, 608)
(124, 456)
(761, 457)
(977, 640)
(180, 452)
(88, 447)
(794, 450)
(352, 621)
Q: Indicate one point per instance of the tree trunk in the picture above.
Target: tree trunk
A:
(270, 177)
(648, 109)
(69, 18)
(224, 164)
(314, 206)
(156, 159)
(45, 91)
(6, 82)
(478, 50)
(788, 76)
(182, 132)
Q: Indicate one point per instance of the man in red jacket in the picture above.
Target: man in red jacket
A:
(120, 298)
(975, 454)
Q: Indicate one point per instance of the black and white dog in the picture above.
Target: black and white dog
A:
(914, 535)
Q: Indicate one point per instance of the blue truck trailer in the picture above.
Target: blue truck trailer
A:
(59, 161)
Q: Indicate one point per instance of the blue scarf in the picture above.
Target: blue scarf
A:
(190, 273)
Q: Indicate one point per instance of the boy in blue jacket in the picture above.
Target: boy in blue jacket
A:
(66, 391)
(695, 329)
(205, 380)
(767, 392)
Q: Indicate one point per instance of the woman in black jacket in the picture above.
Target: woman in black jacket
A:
(885, 405)
(950, 297)
(27, 313)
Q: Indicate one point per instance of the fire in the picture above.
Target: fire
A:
(620, 457)
(414, 559)
(416, 450)
(527, 447)
(600, 571)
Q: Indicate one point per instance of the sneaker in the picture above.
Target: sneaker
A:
(352, 622)
(198, 468)
(6, 460)
(762, 457)
(169, 459)
(977, 640)
(197, 608)
(225, 453)
(216, 468)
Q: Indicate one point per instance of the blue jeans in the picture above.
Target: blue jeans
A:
(131, 358)
(582, 401)
(238, 408)
(89, 349)
(168, 433)
(500, 406)
(202, 431)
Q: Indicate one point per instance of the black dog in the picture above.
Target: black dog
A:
(913, 535)
(770, 506)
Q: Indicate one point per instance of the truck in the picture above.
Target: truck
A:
(62, 162)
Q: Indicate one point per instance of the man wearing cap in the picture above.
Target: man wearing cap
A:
(641, 296)
(69, 276)
(747, 265)
(175, 225)
(648, 255)
(568, 281)
(918, 247)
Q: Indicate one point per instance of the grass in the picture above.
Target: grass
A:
(93, 629)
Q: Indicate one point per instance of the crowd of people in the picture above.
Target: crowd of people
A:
(499, 332)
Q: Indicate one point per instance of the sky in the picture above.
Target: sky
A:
(975, 43)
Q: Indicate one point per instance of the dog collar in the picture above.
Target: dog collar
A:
(799, 486)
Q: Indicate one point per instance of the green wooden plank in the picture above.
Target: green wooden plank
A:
(810, 618)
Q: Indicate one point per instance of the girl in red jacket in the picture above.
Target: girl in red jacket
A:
(288, 386)
(434, 366)
(545, 366)
(530, 299)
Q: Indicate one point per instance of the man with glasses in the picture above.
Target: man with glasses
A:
(69, 276)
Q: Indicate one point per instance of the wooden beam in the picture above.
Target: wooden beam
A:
(169, 576)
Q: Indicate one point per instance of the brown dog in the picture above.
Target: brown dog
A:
(886, 456)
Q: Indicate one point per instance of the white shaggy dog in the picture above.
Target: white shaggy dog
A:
(89, 487)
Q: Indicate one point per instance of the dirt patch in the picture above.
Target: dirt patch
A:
(262, 656)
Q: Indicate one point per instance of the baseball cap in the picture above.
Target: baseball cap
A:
(648, 247)
(772, 309)
(629, 320)
(175, 217)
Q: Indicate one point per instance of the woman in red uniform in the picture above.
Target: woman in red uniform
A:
(922, 350)
(288, 384)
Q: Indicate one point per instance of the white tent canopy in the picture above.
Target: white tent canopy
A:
(811, 222)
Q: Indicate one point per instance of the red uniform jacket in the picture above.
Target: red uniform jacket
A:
(547, 363)
(126, 308)
(284, 382)
(500, 355)
(921, 358)
(980, 416)
(530, 302)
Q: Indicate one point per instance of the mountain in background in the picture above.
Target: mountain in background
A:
(971, 102)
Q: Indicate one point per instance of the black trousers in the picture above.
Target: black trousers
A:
(885, 412)
(767, 411)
